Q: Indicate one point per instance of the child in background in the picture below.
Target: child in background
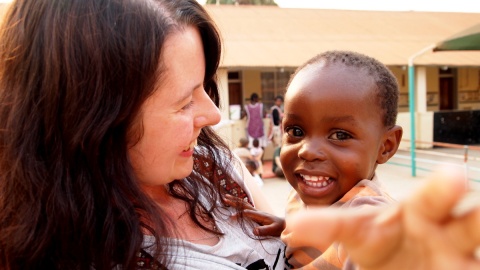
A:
(276, 112)
(242, 150)
(257, 154)
(276, 164)
(339, 123)
(252, 168)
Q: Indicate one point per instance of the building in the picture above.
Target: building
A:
(263, 45)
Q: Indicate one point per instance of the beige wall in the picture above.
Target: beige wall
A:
(423, 129)
(468, 83)
(401, 74)
(432, 89)
(251, 83)
(468, 79)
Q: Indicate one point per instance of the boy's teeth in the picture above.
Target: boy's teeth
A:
(316, 181)
(314, 177)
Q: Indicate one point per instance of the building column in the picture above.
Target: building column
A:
(222, 82)
(421, 89)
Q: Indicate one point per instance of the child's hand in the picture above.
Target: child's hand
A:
(271, 225)
(420, 233)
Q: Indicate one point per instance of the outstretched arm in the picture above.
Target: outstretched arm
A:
(422, 232)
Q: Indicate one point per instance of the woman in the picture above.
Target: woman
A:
(255, 113)
(107, 158)
(106, 111)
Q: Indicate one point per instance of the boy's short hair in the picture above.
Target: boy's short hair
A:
(279, 97)
(244, 142)
(256, 142)
(251, 164)
(387, 86)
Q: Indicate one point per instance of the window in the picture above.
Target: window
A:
(274, 83)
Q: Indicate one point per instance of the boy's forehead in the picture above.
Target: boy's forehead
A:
(321, 72)
(301, 78)
(331, 83)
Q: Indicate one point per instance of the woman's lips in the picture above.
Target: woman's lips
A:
(191, 146)
(188, 151)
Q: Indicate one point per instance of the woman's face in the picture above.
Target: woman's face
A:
(171, 119)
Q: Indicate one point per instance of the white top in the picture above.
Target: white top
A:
(236, 249)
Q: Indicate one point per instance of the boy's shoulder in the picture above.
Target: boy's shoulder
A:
(366, 192)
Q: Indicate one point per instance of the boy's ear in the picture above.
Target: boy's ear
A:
(391, 141)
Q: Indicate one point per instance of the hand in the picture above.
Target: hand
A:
(422, 232)
(271, 225)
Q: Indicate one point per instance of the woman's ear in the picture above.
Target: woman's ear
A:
(391, 141)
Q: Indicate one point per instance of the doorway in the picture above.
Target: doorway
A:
(447, 89)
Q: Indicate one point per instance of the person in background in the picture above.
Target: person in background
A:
(242, 151)
(254, 112)
(276, 163)
(333, 145)
(276, 113)
(257, 154)
(253, 168)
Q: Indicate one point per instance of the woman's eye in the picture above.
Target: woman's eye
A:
(294, 132)
(186, 107)
(340, 136)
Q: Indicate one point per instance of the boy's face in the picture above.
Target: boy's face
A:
(334, 133)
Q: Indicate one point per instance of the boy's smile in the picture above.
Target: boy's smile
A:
(316, 181)
(334, 132)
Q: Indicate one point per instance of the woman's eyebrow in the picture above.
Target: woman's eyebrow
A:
(188, 94)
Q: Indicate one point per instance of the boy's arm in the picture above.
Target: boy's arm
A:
(270, 225)
(422, 232)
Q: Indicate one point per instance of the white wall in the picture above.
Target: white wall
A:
(423, 129)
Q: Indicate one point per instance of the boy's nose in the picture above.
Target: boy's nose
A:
(312, 151)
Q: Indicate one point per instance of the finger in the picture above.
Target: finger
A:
(436, 199)
(268, 230)
(236, 202)
(321, 227)
(464, 231)
(257, 216)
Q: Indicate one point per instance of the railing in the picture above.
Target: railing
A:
(466, 156)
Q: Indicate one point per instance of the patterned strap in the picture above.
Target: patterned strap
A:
(228, 184)
(145, 261)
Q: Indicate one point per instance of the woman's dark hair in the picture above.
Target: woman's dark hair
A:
(73, 76)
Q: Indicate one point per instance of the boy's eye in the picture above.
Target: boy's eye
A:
(340, 136)
(294, 132)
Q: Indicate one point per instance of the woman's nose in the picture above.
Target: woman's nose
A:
(208, 113)
(312, 150)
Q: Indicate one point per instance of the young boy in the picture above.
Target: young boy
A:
(252, 169)
(339, 123)
(257, 154)
(242, 151)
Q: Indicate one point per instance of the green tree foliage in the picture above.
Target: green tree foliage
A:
(243, 2)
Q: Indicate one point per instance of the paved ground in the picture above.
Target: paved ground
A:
(395, 176)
